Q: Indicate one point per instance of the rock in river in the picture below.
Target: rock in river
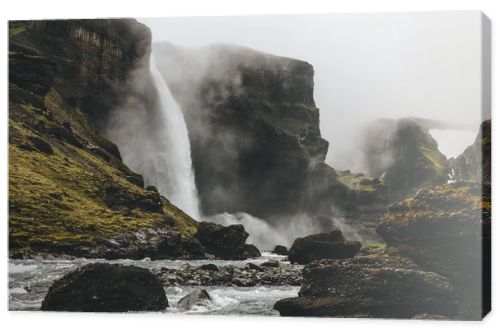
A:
(280, 250)
(330, 245)
(101, 287)
(375, 283)
(226, 242)
(197, 297)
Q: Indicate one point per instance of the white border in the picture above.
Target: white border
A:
(21, 322)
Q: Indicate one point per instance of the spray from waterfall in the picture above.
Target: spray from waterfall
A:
(154, 142)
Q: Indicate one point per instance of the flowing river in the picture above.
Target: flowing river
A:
(29, 281)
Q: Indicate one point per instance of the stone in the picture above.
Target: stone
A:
(280, 250)
(375, 283)
(225, 242)
(102, 287)
(195, 298)
(330, 245)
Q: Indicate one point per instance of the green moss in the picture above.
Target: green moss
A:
(436, 158)
(380, 245)
(14, 31)
(354, 181)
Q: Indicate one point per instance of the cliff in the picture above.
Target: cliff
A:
(404, 155)
(69, 191)
(254, 130)
(474, 164)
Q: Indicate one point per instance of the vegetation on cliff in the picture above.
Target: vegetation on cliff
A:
(69, 190)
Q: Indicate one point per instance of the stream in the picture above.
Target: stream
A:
(29, 281)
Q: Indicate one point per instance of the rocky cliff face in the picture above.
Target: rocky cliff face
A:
(404, 155)
(254, 131)
(69, 191)
(447, 229)
(474, 164)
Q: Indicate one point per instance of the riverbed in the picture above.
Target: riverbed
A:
(29, 281)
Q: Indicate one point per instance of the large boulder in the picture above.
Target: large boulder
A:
(375, 283)
(226, 242)
(195, 298)
(280, 250)
(102, 287)
(447, 229)
(330, 245)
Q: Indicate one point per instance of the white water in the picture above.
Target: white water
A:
(155, 144)
(177, 182)
(29, 281)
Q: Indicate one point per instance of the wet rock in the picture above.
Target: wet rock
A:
(101, 287)
(375, 283)
(41, 145)
(254, 266)
(176, 246)
(444, 229)
(271, 264)
(225, 242)
(280, 250)
(195, 298)
(250, 275)
(209, 266)
(330, 245)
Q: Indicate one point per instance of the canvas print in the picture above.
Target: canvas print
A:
(303, 165)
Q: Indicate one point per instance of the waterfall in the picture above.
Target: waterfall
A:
(177, 181)
(155, 144)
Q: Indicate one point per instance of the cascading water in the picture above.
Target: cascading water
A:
(155, 144)
(177, 182)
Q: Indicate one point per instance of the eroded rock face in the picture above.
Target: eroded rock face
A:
(404, 155)
(254, 132)
(474, 164)
(375, 283)
(330, 245)
(70, 192)
(101, 287)
(225, 242)
(444, 229)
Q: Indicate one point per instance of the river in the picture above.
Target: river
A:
(29, 281)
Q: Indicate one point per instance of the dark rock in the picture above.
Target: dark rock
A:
(104, 287)
(41, 145)
(375, 283)
(271, 264)
(176, 246)
(209, 267)
(195, 298)
(225, 242)
(272, 113)
(474, 164)
(330, 245)
(405, 155)
(444, 229)
(280, 250)
(152, 188)
(254, 266)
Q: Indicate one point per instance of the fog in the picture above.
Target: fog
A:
(367, 66)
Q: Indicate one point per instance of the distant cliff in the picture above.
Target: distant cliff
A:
(69, 191)
(254, 131)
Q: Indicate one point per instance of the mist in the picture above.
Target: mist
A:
(367, 66)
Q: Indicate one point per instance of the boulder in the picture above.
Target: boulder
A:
(271, 264)
(375, 283)
(102, 287)
(330, 245)
(446, 229)
(209, 267)
(195, 298)
(177, 246)
(225, 242)
(280, 250)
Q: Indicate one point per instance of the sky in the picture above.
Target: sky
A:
(367, 66)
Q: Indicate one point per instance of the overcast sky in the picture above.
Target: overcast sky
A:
(366, 65)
